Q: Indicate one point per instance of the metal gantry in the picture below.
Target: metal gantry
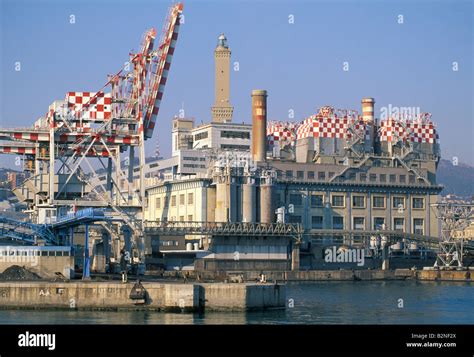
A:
(98, 126)
(224, 228)
(454, 217)
(26, 232)
(318, 236)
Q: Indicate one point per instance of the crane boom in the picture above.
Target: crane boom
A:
(161, 65)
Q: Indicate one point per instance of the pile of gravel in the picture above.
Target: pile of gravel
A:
(16, 272)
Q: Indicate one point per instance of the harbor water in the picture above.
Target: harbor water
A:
(347, 302)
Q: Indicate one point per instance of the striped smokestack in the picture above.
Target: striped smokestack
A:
(368, 118)
(368, 109)
(259, 124)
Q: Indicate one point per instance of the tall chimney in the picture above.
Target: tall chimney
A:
(368, 109)
(368, 118)
(259, 124)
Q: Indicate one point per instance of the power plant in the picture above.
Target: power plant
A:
(270, 195)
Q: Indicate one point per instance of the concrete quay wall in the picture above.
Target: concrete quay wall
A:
(345, 275)
(244, 296)
(445, 275)
(159, 296)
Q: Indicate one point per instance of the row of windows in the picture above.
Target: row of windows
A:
(195, 166)
(173, 219)
(359, 223)
(235, 147)
(169, 243)
(235, 134)
(363, 177)
(358, 201)
(158, 200)
(191, 158)
(32, 253)
(311, 175)
(201, 136)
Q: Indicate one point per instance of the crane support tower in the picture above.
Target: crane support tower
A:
(454, 217)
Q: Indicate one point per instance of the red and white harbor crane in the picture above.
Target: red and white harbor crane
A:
(59, 148)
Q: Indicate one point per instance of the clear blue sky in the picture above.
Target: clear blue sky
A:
(300, 64)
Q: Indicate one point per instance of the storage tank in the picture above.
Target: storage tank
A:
(221, 202)
(249, 201)
(280, 212)
(267, 205)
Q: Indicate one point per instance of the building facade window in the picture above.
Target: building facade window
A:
(363, 177)
(317, 222)
(158, 202)
(418, 226)
(378, 202)
(181, 218)
(300, 175)
(403, 178)
(235, 147)
(168, 243)
(235, 134)
(173, 201)
(295, 219)
(201, 136)
(398, 202)
(310, 175)
(358, 201)
(359, 223)
(289, 174)
(181, 199)
(190, 198)
(392, 178)
(418, 203)
(316, 200)
(383, 178)
(337, 200)
(296, 199)
(373, 177)
(379, 223)
(321, 175)
(399, 224)
(190, 217)
(337, 222)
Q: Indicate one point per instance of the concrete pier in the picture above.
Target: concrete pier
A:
(347, 275)
(446, 275)
(159, 296)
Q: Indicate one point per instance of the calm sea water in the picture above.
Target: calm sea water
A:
(314, 303)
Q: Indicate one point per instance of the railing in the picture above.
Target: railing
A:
(392, 236)
(224, 228)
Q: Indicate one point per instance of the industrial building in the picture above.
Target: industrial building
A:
(269, 195)
(335, 173)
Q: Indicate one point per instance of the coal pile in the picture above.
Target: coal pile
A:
(15, 273)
